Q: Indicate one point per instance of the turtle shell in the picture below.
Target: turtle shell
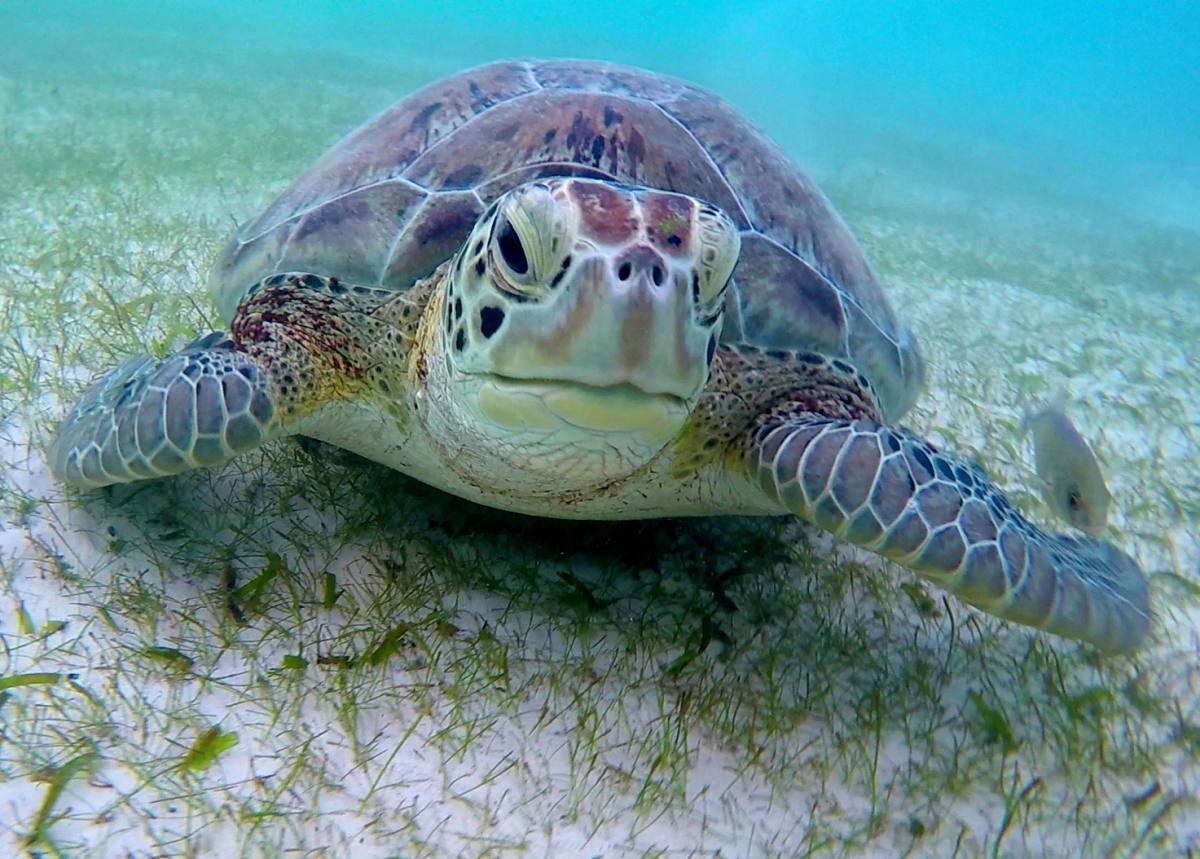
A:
(398, 196)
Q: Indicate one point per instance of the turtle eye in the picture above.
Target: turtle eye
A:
(512, 251)
(512, 266)
(527, 241)
(719, 246)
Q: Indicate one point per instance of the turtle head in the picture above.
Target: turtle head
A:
(589, 310)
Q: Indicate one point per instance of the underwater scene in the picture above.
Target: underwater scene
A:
(492, 516)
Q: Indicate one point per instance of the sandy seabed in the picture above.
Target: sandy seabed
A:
(304, 654)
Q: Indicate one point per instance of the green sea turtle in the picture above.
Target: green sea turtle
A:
(580, 290)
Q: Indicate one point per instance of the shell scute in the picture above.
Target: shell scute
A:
(778, 291)
(496, 186)
(385, 147)
(778, 199)
(433, 235)
(352, 235)
(587, 76)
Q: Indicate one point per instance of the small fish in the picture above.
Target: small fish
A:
(1071, 480)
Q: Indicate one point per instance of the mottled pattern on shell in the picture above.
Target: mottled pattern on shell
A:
(398, 196)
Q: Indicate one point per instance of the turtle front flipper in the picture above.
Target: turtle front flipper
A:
(147, 418)
(296, 343)
(893, 493)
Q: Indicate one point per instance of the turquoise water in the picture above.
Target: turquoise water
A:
(1101, 96)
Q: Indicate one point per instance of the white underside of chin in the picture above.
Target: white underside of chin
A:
(547, 437)
(565, 485)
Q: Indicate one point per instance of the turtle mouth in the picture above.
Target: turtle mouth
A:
(552, 404)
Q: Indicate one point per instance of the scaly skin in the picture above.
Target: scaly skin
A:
(807, 430)
(296, 343)
(146, 418)
(890, 492)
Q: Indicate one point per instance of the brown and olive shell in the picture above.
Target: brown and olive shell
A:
(399, 195)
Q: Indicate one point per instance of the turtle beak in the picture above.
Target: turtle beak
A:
(628, 321)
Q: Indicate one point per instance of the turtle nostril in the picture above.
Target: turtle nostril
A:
(641, 261)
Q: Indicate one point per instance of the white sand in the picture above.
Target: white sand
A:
(514, 718)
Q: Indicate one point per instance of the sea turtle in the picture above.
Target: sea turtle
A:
(581, 290)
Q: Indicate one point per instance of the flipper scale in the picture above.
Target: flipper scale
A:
(892, 493)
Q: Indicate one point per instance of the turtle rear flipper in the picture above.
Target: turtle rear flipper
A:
(891, 492)
(147, 418)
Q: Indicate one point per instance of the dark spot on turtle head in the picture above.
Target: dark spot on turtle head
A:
(695, 286)
(479, 266)
(336, 286)
(549, 136)
(464, 177)
(490, 319)
(611, 117)
(674, 240)
(889, 438)
(842, 367)
(458, 308)
(421, 120)
(478, 248)
(597, 148)
(779, 354)
(507, 132)
(460, 340)
(712, 349)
